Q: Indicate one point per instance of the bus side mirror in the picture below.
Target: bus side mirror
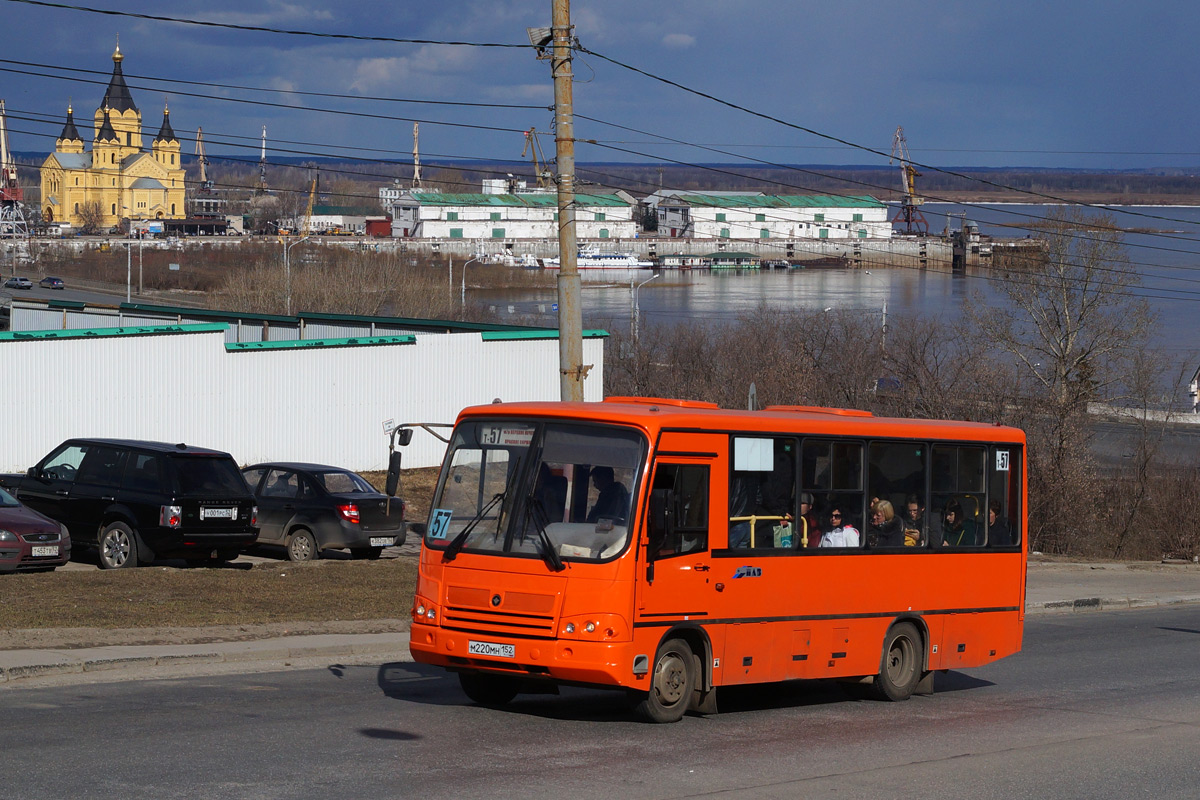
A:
(662, 519)
(403, 436)
(393, 475)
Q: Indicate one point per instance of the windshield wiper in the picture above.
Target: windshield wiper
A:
(536, 513)
(456, 545)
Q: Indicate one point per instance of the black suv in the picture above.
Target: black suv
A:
(137, 501)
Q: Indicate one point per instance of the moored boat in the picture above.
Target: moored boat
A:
(591, 258)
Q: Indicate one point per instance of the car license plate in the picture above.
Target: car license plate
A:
(492, 649)
(382, 541)
(218, 513)
(46, 550)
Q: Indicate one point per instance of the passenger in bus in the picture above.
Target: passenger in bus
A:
(999, 530)
(914, 521)
(743, 499)
(885, 528)
(840, 533)
(810, 521)
(775, 501)
(551, 492)
(954, 529)
(612, 502)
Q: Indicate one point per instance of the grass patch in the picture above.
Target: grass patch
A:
(328, 590)
(416, 487)
(166, 597)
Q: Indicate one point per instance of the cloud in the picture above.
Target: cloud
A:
(678, 41)
(522, 92)
(277, 13)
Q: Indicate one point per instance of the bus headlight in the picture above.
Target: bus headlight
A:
(594, 628)
(424, 611)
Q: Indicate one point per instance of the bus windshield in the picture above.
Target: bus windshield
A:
(559, 491)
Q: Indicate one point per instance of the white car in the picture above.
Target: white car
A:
(18, 283)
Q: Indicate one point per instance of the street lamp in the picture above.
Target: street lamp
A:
(462, 298)
(287, 268)
(633, 290)
(885, 302)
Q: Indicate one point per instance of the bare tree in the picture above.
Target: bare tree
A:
(1073, 330)
(91, 218)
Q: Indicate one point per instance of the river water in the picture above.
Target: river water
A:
(1165, 251)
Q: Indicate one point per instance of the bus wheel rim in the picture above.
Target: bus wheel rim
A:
(670, 678)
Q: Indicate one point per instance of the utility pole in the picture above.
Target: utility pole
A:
(570, 316)
(416, 181)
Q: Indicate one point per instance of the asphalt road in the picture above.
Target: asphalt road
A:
(1099, 705)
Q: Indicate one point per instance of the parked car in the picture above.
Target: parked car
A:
(30, 541)
(137, 501)
(308, 508)
(18, 283)
(50, 282)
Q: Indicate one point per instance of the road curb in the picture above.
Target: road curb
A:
(1109, 603)
(24, 665)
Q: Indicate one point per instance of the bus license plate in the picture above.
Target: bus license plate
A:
(492, 649)
(45, 550)
(382, 541)
(218, 513)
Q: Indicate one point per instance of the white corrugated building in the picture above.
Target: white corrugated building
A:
(533, 215)
(757, 216)
(327, 400)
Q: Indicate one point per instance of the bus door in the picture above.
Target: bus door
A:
(676, 584)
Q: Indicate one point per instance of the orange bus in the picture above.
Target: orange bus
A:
(670, 547)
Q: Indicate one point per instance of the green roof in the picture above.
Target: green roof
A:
(778, 201)
(542, 200)
(545, 333)
(310, 344)
(309, 316)
(99, 333)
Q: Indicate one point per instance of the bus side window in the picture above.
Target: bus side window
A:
(688, 484)
(832, 471)
(1004, 496)
(959, 496)
(762, 493)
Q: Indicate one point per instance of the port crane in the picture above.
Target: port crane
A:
(12, 209)
(304, 229)
(201, 159)
(910, 212)
(534, 149)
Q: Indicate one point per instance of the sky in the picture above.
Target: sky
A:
(1067, 83)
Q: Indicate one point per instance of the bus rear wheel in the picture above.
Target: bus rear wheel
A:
(490, 691)
(900, 669)
(672, 683)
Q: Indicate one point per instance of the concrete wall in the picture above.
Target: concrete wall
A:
(298, 403)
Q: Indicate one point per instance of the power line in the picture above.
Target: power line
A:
(264, 29)
(847, 143)
(268, 104)
(297, 92)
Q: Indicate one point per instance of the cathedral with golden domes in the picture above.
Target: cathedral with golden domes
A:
(118, 179)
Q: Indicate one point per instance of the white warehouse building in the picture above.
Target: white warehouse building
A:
(758, 216)
(532, 215)
(328, 400)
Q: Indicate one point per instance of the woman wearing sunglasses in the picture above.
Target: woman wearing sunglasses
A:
(839, 532)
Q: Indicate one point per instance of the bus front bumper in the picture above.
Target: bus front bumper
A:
(556, 660)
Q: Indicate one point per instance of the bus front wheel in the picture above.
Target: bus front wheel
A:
(672, 683)
(900, 669)
(490, 691)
